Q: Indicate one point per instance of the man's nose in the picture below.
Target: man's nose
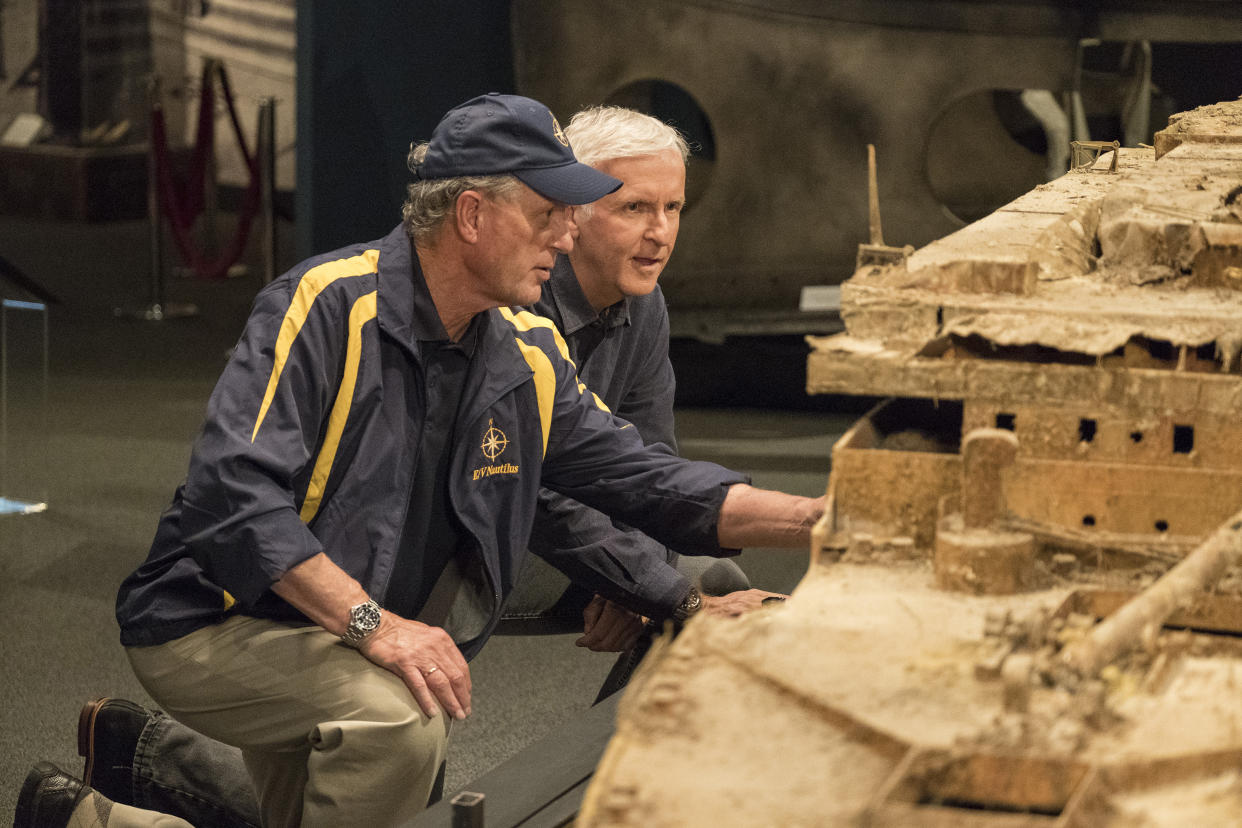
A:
(562, 231)
(661, 228)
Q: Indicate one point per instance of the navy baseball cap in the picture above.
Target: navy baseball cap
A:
(496, 134)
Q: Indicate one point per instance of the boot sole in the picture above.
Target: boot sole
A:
(86, 735)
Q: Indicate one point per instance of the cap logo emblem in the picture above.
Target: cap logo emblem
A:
(559, 133)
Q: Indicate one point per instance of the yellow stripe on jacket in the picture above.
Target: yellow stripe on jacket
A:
(362, 312)
(313, 282)
(526, 321)
(545, 385)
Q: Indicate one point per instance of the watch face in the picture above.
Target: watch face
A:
(689, 605)
(365, 617)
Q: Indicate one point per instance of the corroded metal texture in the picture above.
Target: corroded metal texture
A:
(1023, 606)
(1096, 317)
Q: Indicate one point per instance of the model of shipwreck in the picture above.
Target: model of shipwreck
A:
(1022, 607)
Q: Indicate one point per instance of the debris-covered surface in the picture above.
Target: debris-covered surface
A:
(872, 697)
(1215, 124)
(1023, 606)
(1098, 317)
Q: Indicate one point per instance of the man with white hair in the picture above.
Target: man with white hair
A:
(605, 298)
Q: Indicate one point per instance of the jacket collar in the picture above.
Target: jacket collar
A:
(407, 314)
(575, 310)
(397, 278)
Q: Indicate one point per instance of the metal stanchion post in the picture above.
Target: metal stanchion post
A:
(467, 810)
(159, 308)
(153, 206)
(213, 72)
(266, 150)
(211, 189)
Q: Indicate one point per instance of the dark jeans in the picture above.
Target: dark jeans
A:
(179, 771)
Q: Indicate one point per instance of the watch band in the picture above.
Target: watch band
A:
(364, 619)
(689, 605)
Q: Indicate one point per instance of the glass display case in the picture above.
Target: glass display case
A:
(24, 429)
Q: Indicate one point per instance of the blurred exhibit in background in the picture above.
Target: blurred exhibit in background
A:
(968, 104)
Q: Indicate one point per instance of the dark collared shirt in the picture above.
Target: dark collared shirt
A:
(621, 352)
(622, 356)
(432, 535)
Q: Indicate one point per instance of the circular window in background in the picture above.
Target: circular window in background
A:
(674, 105)
(987, 148)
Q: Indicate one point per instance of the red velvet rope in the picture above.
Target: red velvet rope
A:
(182, 204)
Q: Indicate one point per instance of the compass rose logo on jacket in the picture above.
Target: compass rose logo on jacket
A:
(494, 442)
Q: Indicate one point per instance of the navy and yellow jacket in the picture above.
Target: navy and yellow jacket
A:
(310, 439)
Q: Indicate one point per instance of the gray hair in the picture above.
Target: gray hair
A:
(603, 133)
(428, 204)
(606, 133)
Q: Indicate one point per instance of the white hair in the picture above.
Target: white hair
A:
(606, 133)
(602, 133)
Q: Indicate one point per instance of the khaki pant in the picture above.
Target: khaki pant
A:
(95, 812)
(328, 737)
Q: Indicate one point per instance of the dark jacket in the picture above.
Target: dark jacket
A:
(310, 439)
(622, 355)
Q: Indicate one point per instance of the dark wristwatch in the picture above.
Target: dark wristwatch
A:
(364, 619)
(689, 605)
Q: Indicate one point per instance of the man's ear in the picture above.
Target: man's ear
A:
(574, 230)
(468, 215)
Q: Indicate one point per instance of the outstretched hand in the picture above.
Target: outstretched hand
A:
(609, 627)
(426, 659)
(736, 603)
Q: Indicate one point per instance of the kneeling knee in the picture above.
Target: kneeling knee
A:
(723, 577)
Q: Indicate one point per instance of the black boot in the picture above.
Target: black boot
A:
(48, 798)
(108, 733)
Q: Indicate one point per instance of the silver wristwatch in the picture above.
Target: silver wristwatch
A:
(689, 605)
(364, 619)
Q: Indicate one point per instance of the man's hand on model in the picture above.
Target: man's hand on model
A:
(609, 627)
(426, 659)
(736, 603)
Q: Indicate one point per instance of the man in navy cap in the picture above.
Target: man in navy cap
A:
(361, 496)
